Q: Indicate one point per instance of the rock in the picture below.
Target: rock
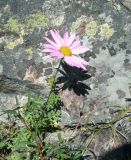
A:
(1, 69)
(90, 97)
(66, 135)
(16, 86)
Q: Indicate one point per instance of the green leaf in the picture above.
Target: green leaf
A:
(60, 138)
(32, 145)
(52, 150)
(91, 128)
(60, 153)
(65, 156)
(10, 111)
(78, 155)
(17, 101)
(2, 144)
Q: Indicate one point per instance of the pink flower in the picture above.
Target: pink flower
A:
(67, 48)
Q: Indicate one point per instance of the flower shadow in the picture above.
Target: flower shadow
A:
(72, 78)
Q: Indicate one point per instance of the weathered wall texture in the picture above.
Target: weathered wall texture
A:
(102, 25)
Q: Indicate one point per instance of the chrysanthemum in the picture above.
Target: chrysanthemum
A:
(67, 48)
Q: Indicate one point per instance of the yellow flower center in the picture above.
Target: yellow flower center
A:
(66, 51)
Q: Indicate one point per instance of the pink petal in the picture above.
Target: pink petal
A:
(76, 61)
(56, 37)
(71, 62)
(66, 37)
(61, 39)
(80, 60)
(80, 49)
(48, 50)
(49, 46)
(71, 39)
(57, 54)
(52, 43)
(75, 44)
(68, 60)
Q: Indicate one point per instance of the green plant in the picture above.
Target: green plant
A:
(62, 150)
(23, 146)
(42, 117)
(37, 119)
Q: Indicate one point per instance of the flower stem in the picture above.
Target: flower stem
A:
(53, 84)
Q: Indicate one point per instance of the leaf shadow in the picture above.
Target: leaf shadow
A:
(72, 78)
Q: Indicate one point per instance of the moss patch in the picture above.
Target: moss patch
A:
(77, 23)
(91, 28)
(37, 20)
(106, 31)
(11, 44)
(58, 21)
(13, 25)
(29, 50)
